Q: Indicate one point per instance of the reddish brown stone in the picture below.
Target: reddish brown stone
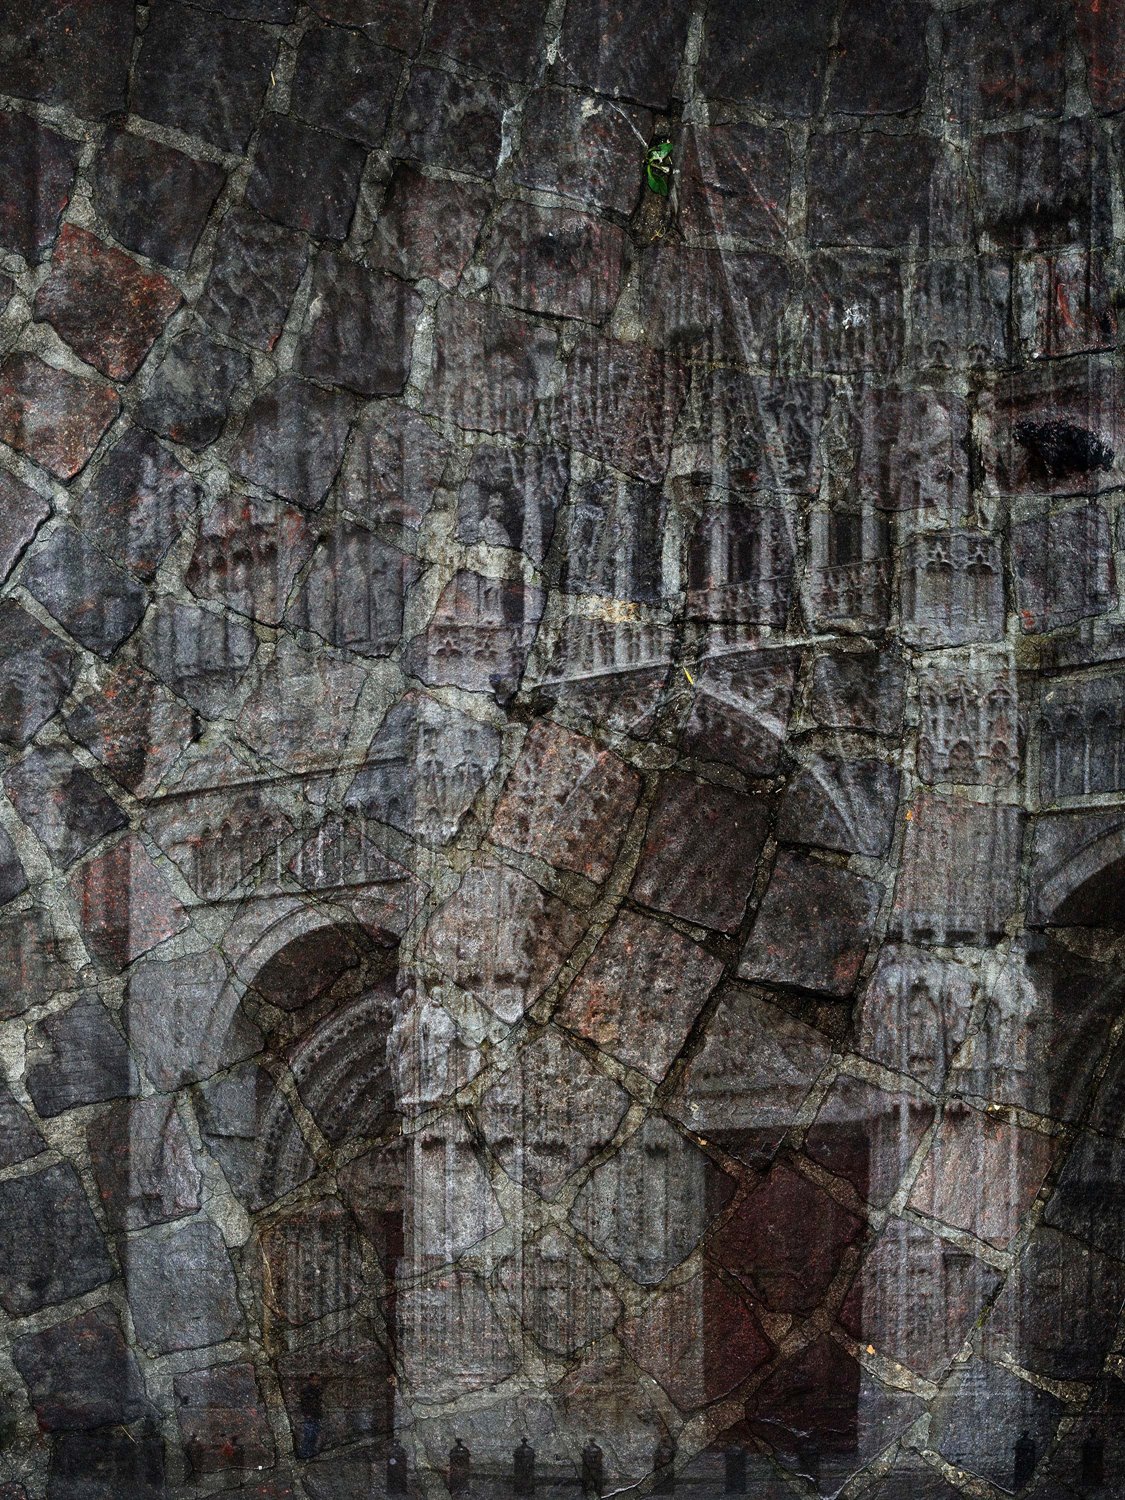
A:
(103, 304)
(567, 802)
(735, 181)
(126, 907)
(620, 404)
(552, 260)
(155, 200)
(812, 928)
(479, 636)
(135, 728)
(452, 120)
(143, 1163)
(640, 992)
(1101, 31)
(583, 147)
(427, 226)
(700, 1340)
(786, 1240)
(701, 851)
(138, 502)
(221, 1415)
(54, 417)
(868, 1136)
(982, 1174)
(248, 554)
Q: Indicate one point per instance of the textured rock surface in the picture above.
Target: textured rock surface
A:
(561, 831)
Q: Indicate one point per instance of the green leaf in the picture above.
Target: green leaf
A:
(658, 153)
(656, 184)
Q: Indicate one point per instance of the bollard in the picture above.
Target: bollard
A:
(1093, 1462)
(663, 1461)
(1023, 1460)
(460, 1460)
(523, 1469)
(593, 1469)
(734, 1470)
(397, 1475)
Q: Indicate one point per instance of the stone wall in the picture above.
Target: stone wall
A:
(562, 834)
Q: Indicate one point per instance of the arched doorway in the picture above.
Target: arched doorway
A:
(308, 1135)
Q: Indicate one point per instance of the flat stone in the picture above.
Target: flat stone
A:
(359, 328)
(92, 598)
(37, 180)
(76, 1057)
(511, 496)
(871, 188)
(775, 58)
(980, 1417)
(620, 404)
(982, 1174)
(868, 1136)
(613, 546)
(248, 555)
(567, 802)
(133, 727)
(959, 869)
(33, 967)
(127, 908)
(701, 852)
(293, 440)
(305, 179)
(392, 23)
(960, 314)
(46, 53)
(1057, 1315)
(479, 636)
(272, 12)
(181, 1288)
(105, 1463)
(508, 48)
(138, 502)
(667, 978)
(735, 181)
(449, 120)
(61, 803)
(614, 1207)
(153, 199)
(506, 967)
(952, 589)
(812, 928)
(766, 1242)
(700, 1340)
(583, 147)
(256, 270)
(859, 690)
(179, 1022)
(706, 304)
(220, 1413)
(908, 451)
(424, 768)
(915, 1012)
(1063, 564)
(37, 670)
(1006, 58)
(345, 82)
(208, 80)
(844, 805)
(19, 1138)
(1087, 1201)
(490, 368)
(352, 595)
(427, 226)
(626, 51)
(824, 1416)
(393, 465)
(55, 1248)
(56, 418)
(250, 1130)
(143, 1163)
(851, 318)
(882, 70)
(22, 512)
(1103, 43)
(103, 304)
(744, 1086)
(582, 1116)
(740, 710)
(13, 877)
(1040, 185)
(189, 393)
(81, 1373)
(555, 261)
